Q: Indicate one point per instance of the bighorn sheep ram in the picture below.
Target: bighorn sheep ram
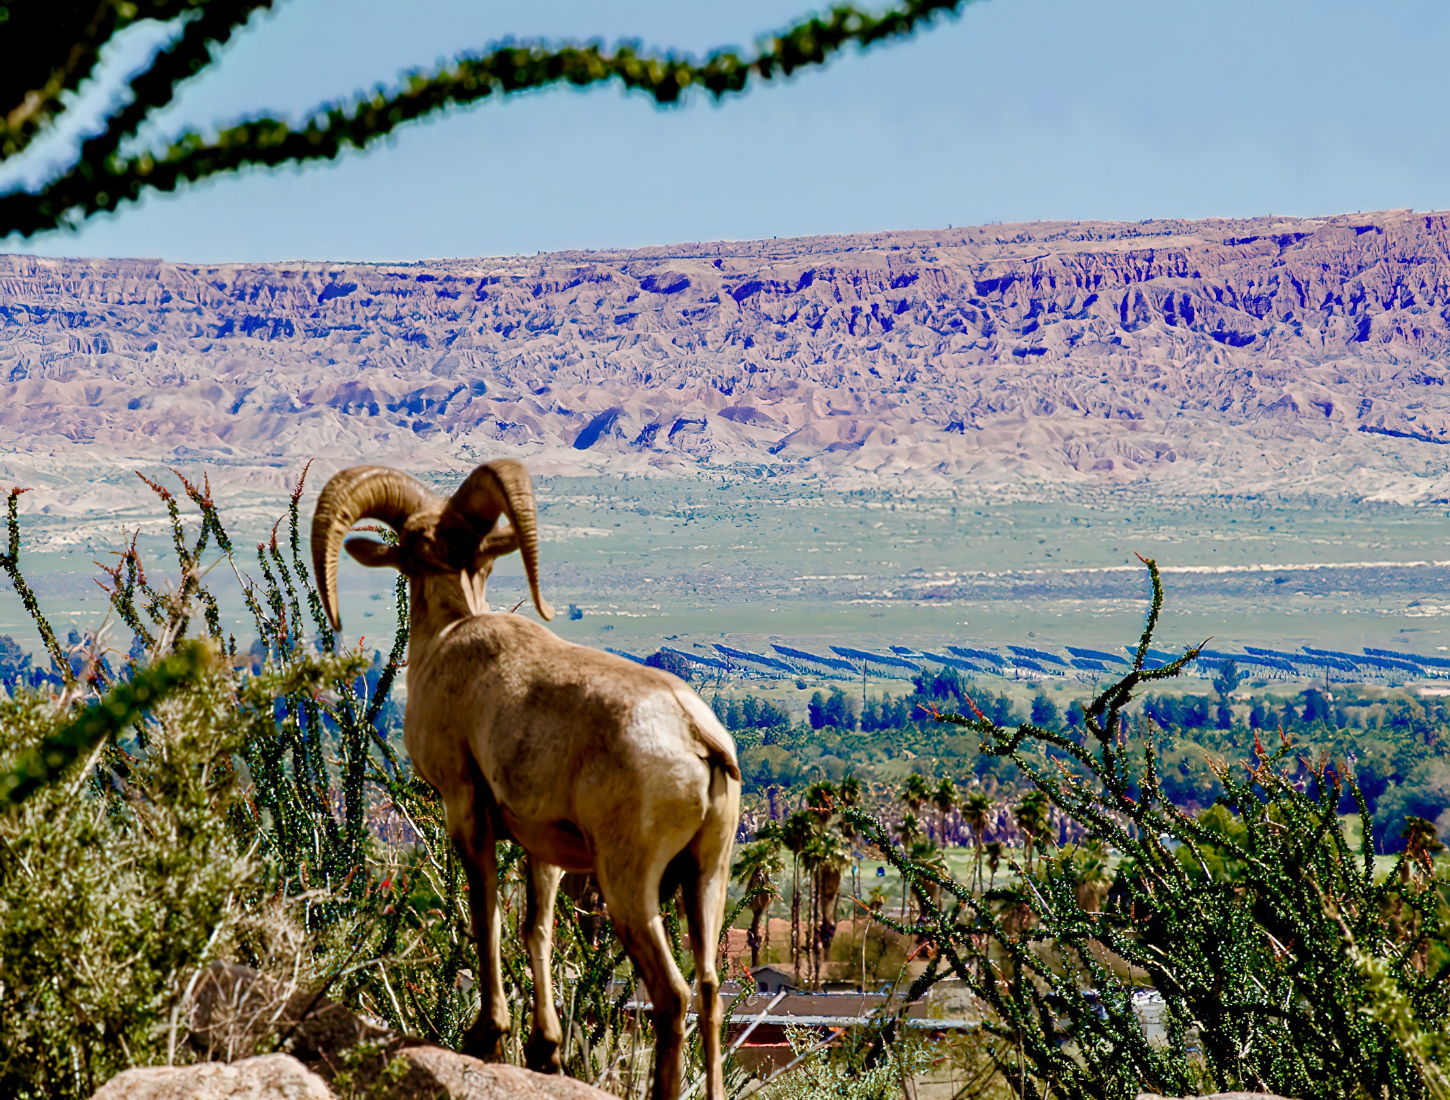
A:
(588, 761)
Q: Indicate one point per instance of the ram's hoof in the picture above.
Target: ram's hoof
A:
(484, 1042)
(541, 1054)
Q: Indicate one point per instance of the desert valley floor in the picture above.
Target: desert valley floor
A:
(912, 439)
(752, 564)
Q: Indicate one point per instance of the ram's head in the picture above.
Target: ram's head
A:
(436, 537)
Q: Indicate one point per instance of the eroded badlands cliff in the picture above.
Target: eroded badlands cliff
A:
(1273, 354)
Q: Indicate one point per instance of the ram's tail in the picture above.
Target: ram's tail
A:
(714, 742)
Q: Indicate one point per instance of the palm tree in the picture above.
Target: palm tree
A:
(976, 813)
(757, 868)
(945, 799)
(1033, 814)
(874, 903)
(908, 831)
(848, 794)
(1090, 874)
(795, 834)
(994, 850)
(825, 858)
(821, 800)
(915, 792)
(774, 832)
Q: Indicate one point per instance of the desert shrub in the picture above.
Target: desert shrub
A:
(178, 805)
(1283, 962)
(848, 1071)
(114, 885)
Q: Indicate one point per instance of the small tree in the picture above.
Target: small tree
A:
(833, 710)
(1226, 681)
(816, 711)
(1044, 712)
(944, 797)
(757, 868)
(839, 710)
(976, 812)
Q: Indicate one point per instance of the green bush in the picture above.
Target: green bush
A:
(116, 884)
(193, 807)
(1284, 963)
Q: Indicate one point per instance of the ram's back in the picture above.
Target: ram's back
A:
(525, 692)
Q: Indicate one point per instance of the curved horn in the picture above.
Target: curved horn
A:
(504, 487)
(361, 492)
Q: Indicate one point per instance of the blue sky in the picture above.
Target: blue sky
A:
(1018, 110)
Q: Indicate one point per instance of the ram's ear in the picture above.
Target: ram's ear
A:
(496, 545)
(372, 553)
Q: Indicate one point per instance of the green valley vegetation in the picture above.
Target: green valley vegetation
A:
(1138, 891)
(1397, 743)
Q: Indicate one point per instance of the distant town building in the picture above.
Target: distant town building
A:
(772, 979)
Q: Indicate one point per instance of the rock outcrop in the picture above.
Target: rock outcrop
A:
(267, 1077)
(416, 1072)
(1189, 356)
(433, 1071)
(237, 1011)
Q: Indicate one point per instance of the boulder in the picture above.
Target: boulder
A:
(237, 1012)
(436, 1072)
(268, 1077)
(417, 1071)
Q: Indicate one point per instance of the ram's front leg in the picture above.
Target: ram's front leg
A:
(478, 849)
(542, 1052)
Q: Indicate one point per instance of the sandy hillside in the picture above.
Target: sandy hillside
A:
(1273, 354)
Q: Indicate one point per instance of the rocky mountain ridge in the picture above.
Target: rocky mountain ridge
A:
(1288, 355)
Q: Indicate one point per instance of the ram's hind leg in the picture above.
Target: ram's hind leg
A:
(705, 909)
(472, 832)
(542, 1052)
(632, 897)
